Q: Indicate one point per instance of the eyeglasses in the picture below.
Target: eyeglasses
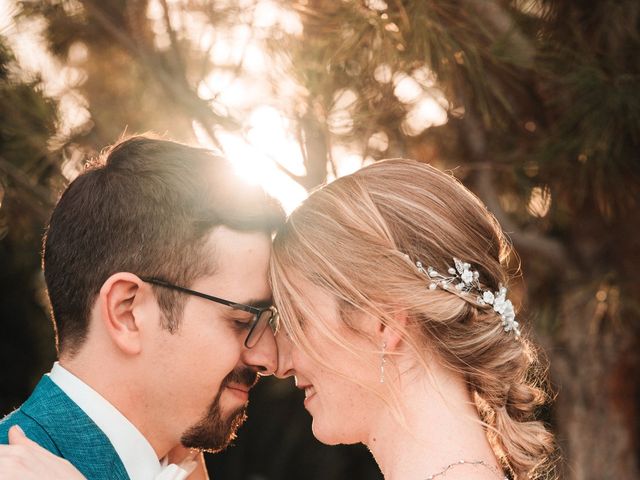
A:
(262, 317)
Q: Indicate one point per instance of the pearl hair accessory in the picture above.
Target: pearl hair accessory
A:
(465, 281)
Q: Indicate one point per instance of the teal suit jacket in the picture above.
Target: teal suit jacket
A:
(50, 418)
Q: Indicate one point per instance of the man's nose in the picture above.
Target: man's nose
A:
(263, 356)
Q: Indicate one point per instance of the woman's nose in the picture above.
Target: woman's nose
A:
(285, 365)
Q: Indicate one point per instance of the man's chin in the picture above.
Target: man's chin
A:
(213, 434)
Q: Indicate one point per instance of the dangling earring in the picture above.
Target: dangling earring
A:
(383, 361)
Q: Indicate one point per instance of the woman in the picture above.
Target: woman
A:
(395, 320)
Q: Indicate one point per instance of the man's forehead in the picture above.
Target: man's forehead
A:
(239, 265)
(224, 240)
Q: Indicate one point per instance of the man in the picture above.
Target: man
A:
(155, 261)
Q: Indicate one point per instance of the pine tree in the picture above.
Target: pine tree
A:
(28, 173)
(534, 103)
(544, 124)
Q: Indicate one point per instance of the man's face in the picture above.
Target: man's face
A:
(204, 371)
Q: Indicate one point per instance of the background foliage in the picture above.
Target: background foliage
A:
(534, 104)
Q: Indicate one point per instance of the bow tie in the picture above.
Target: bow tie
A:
(180, 471)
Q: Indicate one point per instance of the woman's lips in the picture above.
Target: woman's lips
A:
(309, 393)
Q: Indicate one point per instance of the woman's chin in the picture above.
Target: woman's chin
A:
(322, 435)
(329, 436)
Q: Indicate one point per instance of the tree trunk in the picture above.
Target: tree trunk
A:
(596, 411)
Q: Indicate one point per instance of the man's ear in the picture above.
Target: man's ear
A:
(117, 299)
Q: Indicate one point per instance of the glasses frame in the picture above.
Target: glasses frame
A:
(256, 311)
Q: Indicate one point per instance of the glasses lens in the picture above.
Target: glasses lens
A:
(264, 320)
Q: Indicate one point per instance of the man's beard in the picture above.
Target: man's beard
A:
(214, 433)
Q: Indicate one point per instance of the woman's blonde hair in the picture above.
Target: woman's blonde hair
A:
(358, 238)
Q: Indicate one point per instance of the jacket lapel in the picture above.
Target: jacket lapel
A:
(77, 437)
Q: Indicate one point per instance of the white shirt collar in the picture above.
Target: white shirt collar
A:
(135, 451)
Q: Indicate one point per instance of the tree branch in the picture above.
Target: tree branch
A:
(472, 133)
(175, 48)
(177, 88)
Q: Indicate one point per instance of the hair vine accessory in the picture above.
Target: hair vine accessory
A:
(462, 279)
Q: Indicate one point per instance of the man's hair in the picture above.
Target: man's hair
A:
(146, 207)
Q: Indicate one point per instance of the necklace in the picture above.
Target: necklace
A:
(466, 462)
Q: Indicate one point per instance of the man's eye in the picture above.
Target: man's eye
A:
(242, 324)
